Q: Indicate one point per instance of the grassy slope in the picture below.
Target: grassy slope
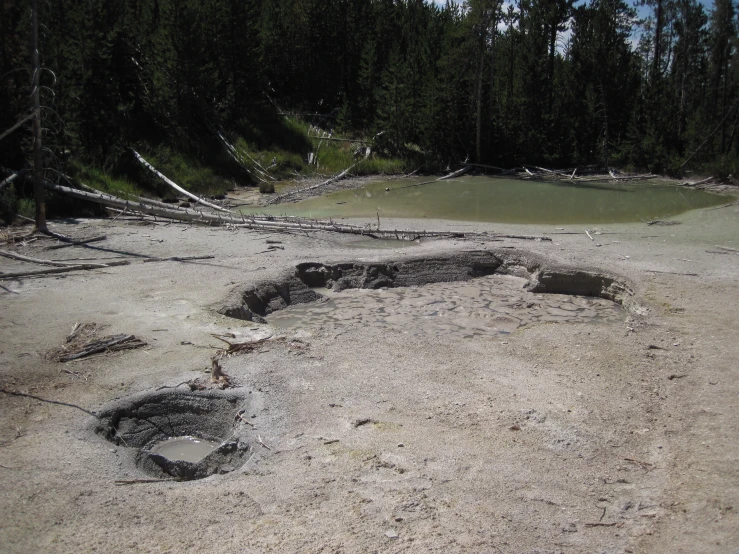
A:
(282, 147)
(285, 160)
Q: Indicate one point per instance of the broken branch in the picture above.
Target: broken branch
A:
(175, 185)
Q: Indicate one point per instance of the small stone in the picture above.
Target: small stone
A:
(391, 534)
(113, 450)
(401, 445)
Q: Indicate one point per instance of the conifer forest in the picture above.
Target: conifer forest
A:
(549, 82)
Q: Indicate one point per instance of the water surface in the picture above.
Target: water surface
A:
(185, 449)
(489, 199)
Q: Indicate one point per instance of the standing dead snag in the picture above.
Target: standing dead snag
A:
(38, 160)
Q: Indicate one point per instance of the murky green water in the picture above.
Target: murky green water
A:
(505, 201)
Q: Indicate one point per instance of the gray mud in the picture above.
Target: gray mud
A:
(142, 423)
(300, 286)
(610, 436)
(485, 306)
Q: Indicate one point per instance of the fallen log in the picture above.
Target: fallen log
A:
(175, 185)
(66, 269)
(695, 184)
(239, 160)
(179, 259)
(550, 171)
(55, 263)
(77, 243)
(269, 224)
(521, 237)
(452, 175)
(333, 179)
(12, 178)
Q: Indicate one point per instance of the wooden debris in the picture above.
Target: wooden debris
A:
(240, 417)
(179, 259)
(663, 223)
(599, 524)
(175, 185)
(235, 156)
(64, 269)
(8, 237)
(589, 235)
(46, 400)
(12, 178)
(635, 461)
(270, 223)
(697, 183)
(333, 179)
(451, 175)
(77, 243)
(120, 482)
(83, 342)
(56, 263)
(672, 273)
(107, 344)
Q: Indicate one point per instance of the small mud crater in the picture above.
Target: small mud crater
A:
(185, 435)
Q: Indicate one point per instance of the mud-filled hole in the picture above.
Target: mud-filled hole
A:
(486, 306)
(464, 294)
(185, 435)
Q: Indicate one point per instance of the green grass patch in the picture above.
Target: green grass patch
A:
(105, 182)
(183, 170)
(330, 156)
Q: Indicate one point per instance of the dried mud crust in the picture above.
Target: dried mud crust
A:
(254, 303)
(139, 422)
(560, 438)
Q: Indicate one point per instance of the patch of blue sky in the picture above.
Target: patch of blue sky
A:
(642, 11)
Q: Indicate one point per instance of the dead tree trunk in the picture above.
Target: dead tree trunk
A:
(38, 167)
(333, 179)
(174, 185)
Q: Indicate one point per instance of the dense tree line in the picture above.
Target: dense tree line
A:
(538, 81)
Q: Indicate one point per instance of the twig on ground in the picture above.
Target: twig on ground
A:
(672, 273)
(633, 460)
(613, 524)
(179, 259)
(120, 482)
(34, 397)
(77, 243)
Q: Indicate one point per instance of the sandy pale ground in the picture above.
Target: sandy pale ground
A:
(612, 437)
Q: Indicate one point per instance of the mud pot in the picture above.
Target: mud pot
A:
(475, 294)
(485, 306)
(185, 435)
